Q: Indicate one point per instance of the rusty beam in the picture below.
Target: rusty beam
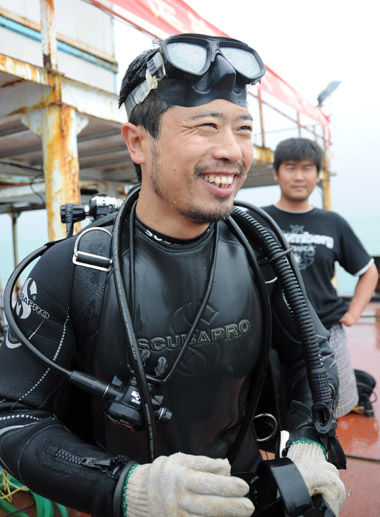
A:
(92, 101)
(27, 87)
(22, 70)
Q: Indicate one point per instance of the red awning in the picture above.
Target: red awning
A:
(175, 16)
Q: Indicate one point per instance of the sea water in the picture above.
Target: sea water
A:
(32, 233)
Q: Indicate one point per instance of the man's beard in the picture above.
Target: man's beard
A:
(198, 217)
(194, 214)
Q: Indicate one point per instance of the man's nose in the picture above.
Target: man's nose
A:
(298, 173)
(228, 148)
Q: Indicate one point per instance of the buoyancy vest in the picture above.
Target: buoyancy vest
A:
(208, 390)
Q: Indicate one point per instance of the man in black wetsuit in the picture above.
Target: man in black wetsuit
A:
(193, 306)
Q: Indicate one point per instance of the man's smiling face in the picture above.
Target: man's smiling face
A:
(200, 159)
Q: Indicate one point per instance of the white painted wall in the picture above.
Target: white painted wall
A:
(83, 25)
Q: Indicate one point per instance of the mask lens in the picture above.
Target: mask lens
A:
(244, 62)
(188, 57)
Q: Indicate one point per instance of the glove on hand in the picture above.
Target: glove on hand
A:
(320, 476)
(182, 485)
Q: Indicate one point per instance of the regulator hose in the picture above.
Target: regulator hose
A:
(317, 375)
(8, 292)
(142, 384)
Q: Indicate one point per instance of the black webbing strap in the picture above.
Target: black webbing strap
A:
(281, 477)
(92, 258)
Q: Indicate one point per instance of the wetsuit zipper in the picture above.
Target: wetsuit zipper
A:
(109, 465)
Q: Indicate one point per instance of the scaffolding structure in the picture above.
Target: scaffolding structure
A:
(60, 136)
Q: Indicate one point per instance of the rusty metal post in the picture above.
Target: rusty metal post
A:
(326, 193)
(326, 201)
(61, 165)
(261, 117)
(58, 127)
(326, 189)
(325, 178)
(14, 215)
(48, 35)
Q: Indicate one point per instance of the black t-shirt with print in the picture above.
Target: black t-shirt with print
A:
(319, 239)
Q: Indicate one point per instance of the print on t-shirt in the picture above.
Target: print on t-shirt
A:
(304, 244)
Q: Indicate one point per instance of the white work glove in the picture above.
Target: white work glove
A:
(182, 485)
(320, 476)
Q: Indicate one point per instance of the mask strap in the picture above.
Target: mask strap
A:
(155, 71)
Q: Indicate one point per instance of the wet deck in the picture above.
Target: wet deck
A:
(358, 434)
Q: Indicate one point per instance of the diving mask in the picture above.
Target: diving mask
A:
(194, 69)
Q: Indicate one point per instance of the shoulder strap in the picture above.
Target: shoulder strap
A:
(92, 252)
(92, 257)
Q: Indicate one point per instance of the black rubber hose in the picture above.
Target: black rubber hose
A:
(8, 310)
(142, 384)
(82, 380)
(317, 375)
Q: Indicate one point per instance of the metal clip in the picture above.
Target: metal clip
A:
(268, 424)
(79, 256)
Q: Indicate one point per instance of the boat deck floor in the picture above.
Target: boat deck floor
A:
(358, 434)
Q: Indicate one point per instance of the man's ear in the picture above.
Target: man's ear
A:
(275, 175)
(133, 137)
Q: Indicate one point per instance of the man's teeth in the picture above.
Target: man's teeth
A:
(219, 181)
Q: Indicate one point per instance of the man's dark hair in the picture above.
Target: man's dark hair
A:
(148, 113)
(298, 149)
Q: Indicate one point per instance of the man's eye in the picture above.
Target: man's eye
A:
(208, 124)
